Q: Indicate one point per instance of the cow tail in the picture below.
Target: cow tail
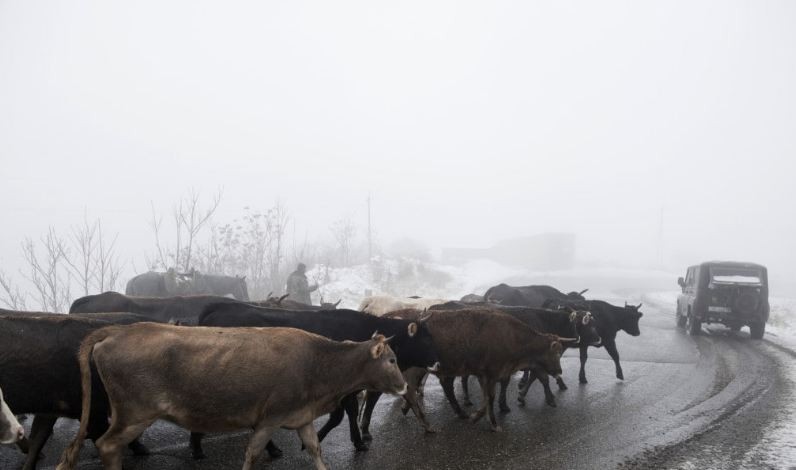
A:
(71, 453)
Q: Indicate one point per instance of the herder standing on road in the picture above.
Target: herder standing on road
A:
(298, 287)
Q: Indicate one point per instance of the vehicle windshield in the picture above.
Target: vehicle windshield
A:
(736, 275)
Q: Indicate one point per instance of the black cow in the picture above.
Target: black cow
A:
(40, 374)
(610, 319)
(528, 296)
(410, 341)
(575, 323)
(184, 310)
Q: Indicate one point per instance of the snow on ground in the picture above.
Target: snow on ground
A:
(404, 277)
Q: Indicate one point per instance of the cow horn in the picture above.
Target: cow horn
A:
(279, 301)
(268, 297)
(583, 291)
(387, 340)
(639, 306)
(337, 303)
(567, 340)
(425, 316)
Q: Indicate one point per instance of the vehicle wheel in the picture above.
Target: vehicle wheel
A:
(681, 320)
(757, 330)
(694, 325)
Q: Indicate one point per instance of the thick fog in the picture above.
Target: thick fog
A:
(661, 134)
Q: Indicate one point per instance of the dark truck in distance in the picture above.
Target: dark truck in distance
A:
(734, 294)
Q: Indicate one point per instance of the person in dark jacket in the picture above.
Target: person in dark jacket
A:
(298, 287)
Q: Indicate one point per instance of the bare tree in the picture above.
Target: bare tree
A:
(49, 272)
(84, 239)
(344, 231)
(189, 217)
(278, 220)
(12, 297)
(106, 263)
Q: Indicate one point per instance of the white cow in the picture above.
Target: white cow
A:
(11, 431)
(380, 304)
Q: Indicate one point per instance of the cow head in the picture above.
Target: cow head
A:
(414, 345)
(381, 370)
(10, 430)
(550, 359)
(585, 326)
(628, 321)
(329, 305)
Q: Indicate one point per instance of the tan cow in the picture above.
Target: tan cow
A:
(210, 379)
(380, 304)
(10, 430)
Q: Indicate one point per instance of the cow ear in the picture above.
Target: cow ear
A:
(375, 334)
(412, 329)
(377, 350)
(555, 346)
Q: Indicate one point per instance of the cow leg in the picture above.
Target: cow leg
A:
(526, 374)
(466, 390)
(40, 431)
(371, 398)
(610, 347)
(488, 403)
(351, 405)
(584, 355)
(262, 435)
(310, 441)
(524, 390)
(411, 399)
(447, 387)
(347, 406)
(416, 380)
(196, 445)
(544, 379)
(561, 384)
(335, 418)
(118, 435)
(504, 384)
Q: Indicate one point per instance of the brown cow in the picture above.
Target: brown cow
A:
(223, 379)
(488, 344)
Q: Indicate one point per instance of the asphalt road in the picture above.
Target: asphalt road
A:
(717, 401)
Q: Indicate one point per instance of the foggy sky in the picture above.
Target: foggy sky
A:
(467, 122)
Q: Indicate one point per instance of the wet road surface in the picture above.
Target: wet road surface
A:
(716, 401)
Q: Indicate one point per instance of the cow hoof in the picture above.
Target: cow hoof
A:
(505, 409)
(361, 446)
(275, 453)
(366, 436)
(497, 429)
(620, 376)
(404, 410)
(562, 387)
(138, 448)
(583, 380)
(551, 402)
(431, 430)
(467, 403)
(198, 455)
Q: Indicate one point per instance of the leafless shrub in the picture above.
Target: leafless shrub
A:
(11, 296)
(189, 217)
(49, 271)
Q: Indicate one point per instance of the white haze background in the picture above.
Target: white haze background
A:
(467, 122)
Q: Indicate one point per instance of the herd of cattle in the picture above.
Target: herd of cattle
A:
(215, 364)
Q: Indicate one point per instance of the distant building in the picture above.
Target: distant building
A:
(543, 252)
